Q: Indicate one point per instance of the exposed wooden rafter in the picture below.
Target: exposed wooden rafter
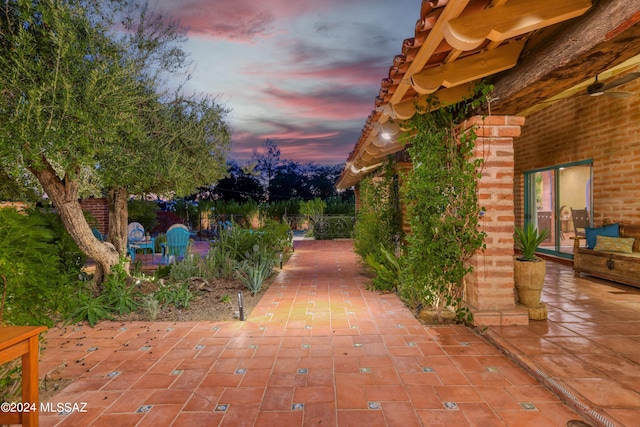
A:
(436, 35)
(606, 36)
(425, 103)
(467, 69)
(512, 19)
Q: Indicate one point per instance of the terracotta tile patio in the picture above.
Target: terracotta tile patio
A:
(319, 349)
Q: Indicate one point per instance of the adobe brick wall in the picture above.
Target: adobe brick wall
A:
(99, 209)
(603, 129)
(490, 287)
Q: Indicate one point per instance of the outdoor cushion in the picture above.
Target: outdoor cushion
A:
(611, 230)
(614, 244)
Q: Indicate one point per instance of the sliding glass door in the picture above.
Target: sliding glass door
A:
(559, 199)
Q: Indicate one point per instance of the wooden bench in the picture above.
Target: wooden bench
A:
(22, 341)
(615, 266)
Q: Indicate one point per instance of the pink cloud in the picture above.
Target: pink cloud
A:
(238, 20)
(331, 105)
(365, 72)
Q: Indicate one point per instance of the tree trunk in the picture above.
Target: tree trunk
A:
(63, 193)
(118, 219)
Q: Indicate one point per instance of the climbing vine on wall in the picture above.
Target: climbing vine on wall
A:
(378, 221)
(442, 207)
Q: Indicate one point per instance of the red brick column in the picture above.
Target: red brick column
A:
(489, 289)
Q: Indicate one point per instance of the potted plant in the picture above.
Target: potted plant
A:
(530, 270)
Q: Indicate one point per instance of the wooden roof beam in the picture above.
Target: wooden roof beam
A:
(468, 69)
(604, 37)
(425, 103)
(515, 18)
(452, 10)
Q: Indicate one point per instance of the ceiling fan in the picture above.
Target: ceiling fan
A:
(598, 88)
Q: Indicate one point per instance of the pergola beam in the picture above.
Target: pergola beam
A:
(509, 20)
(605, 36)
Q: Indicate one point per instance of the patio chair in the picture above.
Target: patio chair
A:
(97, 234)
(177, 242)
(580, 218)
(136, 239)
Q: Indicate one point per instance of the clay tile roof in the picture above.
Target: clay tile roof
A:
(467, 24)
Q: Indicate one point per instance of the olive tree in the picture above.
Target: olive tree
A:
(77, 99)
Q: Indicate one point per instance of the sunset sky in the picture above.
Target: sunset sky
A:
(303, 73)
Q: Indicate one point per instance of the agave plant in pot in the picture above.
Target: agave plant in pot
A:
(530, 270)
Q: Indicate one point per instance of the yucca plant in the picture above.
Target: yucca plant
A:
(528, 239)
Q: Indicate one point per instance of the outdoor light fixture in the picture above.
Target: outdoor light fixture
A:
(280, 260)
(240, 306)
(389, 129)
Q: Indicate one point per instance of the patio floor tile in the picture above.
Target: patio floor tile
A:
(329, 352)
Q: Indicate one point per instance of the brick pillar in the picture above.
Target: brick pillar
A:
(489, 289)
(99, 209)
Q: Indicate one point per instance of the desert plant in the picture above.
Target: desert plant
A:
(90, 308)
(186, 269)
(255, 268)
(177, 294)
(387, 267)
(219, 263)
(528, 239)
(150, 306)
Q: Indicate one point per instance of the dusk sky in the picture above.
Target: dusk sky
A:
(303, 73)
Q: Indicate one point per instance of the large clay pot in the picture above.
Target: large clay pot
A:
(529, 280)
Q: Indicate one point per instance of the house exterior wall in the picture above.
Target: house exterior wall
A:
(602, 129)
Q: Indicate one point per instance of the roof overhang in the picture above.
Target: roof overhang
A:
(530, 51)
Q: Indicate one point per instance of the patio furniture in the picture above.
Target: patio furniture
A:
(177, 242)
(97, 234)
(580, 218)
(614, 256)
(22, 341)
(138, 240)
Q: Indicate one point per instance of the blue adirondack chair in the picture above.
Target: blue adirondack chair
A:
(177, 242)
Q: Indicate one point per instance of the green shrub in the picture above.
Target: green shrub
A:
(90, 308)
(120, 297)
(186, 269)
(336, 206)
(177, 294)
(219, 263)
(39, 267)
(277, 209)
(150, 306)
(387, 268)
(378, 221)
(238, 241)
(144, 212)
(442, 207)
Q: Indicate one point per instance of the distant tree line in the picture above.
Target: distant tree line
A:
(269, 178)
